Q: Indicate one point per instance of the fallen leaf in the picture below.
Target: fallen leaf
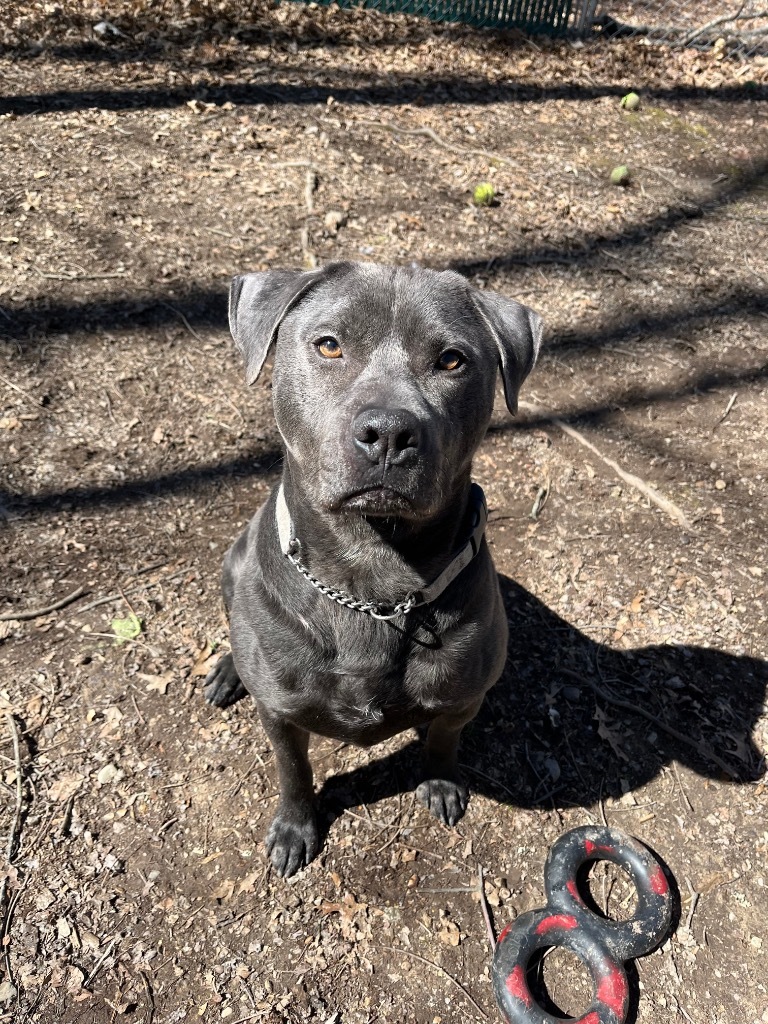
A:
(158, 683)
(109, 773)
(126, 629)
(449, 934)
(204, 662)
(66, 786)
(248, 884)
(612, 736)
(224, 891)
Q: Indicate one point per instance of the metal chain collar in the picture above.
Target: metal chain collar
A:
(290, 545)
(370, 608)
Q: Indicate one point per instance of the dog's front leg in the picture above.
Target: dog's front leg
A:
(293, 839)
(443, 791)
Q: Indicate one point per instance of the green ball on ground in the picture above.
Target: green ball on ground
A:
(484, 194)
(631, 101)
(620, 175)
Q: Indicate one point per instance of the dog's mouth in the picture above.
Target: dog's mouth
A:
(377, 501)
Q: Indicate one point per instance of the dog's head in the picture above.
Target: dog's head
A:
(383, 377)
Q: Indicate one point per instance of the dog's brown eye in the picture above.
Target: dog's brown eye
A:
(450, 360)
(329, 348)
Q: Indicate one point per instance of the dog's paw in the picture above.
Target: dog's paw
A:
(222, 684)
(445, 798)
(293, 839)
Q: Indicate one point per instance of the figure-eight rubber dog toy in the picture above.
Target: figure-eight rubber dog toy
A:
(600, 943)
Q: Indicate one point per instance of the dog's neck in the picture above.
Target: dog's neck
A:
(376, 558)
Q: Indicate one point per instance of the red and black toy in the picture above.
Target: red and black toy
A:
(600, 943)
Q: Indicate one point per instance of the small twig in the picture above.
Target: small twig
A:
(429, 133)
(310, 184)
(21, 391)
(12, 847)
(100, 962)
(186, 322)
(450, 888)
(150, 998)
(682, 790)
(441, 970)
(36, 613)
(540, 501)
(490, 778)
(601, 804)
(76, 277)
(131, 609)
(235, 788)
(731, 403)
(736, 16)
(141, 717)
(484, 907)
(133, 590)
(695, 896)
(638, 709)
(13, 836)
(651, 493)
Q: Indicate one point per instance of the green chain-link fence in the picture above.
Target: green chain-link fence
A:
(740, 28)
(547, 17)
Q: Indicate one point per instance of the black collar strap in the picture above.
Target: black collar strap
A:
(291, 546)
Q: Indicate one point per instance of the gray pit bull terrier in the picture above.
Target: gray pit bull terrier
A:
(362, 598)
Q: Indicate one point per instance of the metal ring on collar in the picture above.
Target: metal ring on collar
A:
(540, 929)
(625, 939)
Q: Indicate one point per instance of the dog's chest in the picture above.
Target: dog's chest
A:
(375, 691)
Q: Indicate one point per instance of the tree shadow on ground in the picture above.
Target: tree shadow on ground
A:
(126, 493)
(356, 90)
(573, 720)
(205, 306)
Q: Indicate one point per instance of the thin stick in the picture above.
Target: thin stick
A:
(36, 613)
(21, 391)
(736, 16)
(484, 907)
(683, 794)
(10, 850)
(670, 730)
(100, 962)
(731, 403)
(133, 590)
(184, 320)
(431, 134)
(695, 896)
(15, 832)
(442, 970)
(649, 492)
(150, 999)
(490, 778)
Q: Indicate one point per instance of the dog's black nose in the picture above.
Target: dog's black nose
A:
(390, 435)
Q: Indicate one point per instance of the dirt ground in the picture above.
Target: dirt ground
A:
(139, 172)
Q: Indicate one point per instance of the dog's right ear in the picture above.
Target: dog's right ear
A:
(258, 303)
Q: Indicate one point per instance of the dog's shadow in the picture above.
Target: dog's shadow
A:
(573, 720)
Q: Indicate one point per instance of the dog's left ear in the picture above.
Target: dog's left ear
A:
(517, 331)
(258, 304)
